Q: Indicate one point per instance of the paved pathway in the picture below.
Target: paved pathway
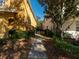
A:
(43, 37)
(38, 51)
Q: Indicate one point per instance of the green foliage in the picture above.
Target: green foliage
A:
(67, 35)
(39, 23)
(66, 47)
(17, 35)
(49, 33)
(21, 34)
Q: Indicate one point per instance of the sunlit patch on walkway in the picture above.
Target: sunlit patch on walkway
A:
(38, 51)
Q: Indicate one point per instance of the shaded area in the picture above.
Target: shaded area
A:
(56, 53)
(17, 50)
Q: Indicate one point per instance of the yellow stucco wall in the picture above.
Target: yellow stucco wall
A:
(4, 16)
(30, 13)
(24, 10)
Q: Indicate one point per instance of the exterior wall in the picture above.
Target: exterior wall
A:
(24, 10)
(4, 27)
(47, 24)
(4, 16)
(30, 13)
(71, 23)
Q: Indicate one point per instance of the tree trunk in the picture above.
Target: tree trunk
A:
(58, 31)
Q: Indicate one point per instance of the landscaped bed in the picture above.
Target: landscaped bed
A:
(62, 48)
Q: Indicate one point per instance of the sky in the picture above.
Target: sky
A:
(37, 9)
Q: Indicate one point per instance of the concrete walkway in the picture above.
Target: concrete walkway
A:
(38, 50)
(43, 37)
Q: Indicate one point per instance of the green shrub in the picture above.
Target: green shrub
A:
(48, 33)
(67, 35)
(66, 47)
(21, 34)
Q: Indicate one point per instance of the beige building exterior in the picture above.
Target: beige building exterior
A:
(73, 24)
(47, 24)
